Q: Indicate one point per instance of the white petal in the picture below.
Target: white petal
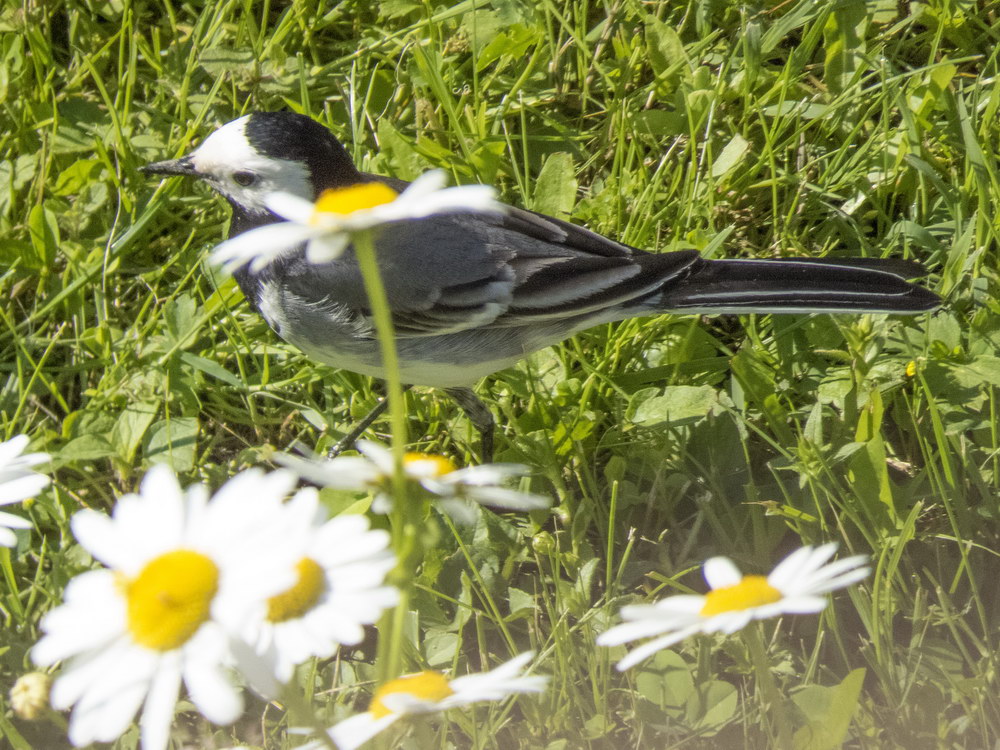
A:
(212, 693)
(7, 538)
(327, 247)
(729, 622)
(11, 449)
(680, 605)
(460, 511)
(790, 571)
(355, 731)
(96, 533)
(342, 473)
(255, 669)
(486, 474)
(158, 713)
(721, 572)
(427, 183)
(105, 720)
(290, 207)
(632, 631)
(262, 245)
(22, 487)
(497, 684)
(502, 497)
(801, 605)
(377, 454)
(657, 644)
(467, 198)
(11, 521)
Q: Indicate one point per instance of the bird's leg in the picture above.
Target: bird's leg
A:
(480, 416)
(358, 430)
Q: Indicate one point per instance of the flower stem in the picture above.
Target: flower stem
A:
(773, 702)
(404, 526)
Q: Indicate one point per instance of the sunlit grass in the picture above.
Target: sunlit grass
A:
(805, 128)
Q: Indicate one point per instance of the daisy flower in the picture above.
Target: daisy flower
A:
(456, 490)
(18, 481)
(431, 692)
(326, 225)
(183, 573)
(796, 586)
(340, 587)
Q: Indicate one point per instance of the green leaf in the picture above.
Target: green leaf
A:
(87, 448)
(659, 122)
(180, 317)
(679, 404)
(173, 442)
(844, 38)
(712, 705)
(77, 176)
(44, 235)
(666, 50)
(214, 369)
(131, 427)
(984, 369)
(221, 60)
(731, 155)
(555, 188)
(511, 44)
(10, 733)
(520, 602)
(828, 712)
(403, 159)
(440, 647)
(666, 680)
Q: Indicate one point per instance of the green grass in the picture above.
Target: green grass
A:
(856, 129)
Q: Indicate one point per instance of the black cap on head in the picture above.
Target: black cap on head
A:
(287, 135)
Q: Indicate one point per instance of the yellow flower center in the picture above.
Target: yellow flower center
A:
(426, 685)
(439, 465)
(170, 598)
(752, 591)
(301, 597)
(348, 200)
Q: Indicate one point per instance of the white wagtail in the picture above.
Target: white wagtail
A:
(474, 293)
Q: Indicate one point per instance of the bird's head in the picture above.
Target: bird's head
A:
(262, 153)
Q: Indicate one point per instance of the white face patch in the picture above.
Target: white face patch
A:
(226, 156)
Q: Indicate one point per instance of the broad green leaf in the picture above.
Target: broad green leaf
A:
(181, 317)
(984, 369)
(844, 40)
(555, 188)
(440, 646)
(828, 712)
(131, 427)
(711, 706)
(403, 159)
(173, 442)
(218, 61)
(44, 235)
(87, 448)
(679, 404)
(520, 602)
(665, 49)
(731, 155)
(665, 680)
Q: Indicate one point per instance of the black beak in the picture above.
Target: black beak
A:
(183, 167)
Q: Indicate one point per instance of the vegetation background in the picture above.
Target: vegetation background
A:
(741, 129)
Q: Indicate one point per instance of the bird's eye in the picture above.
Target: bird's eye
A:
(244, 179)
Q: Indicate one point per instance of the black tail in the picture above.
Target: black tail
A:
(800, 285)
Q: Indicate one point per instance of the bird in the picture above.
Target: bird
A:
(473, 293)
